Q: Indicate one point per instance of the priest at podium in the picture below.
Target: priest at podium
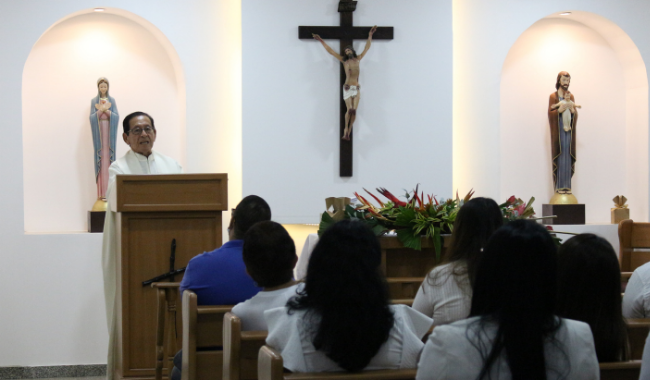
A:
(140, 135)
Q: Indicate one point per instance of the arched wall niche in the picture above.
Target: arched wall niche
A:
(59, 79)
(609, 80)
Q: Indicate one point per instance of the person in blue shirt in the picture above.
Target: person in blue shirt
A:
(219, 277)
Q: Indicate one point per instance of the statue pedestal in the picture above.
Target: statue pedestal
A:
(566, 214)
(96, 221)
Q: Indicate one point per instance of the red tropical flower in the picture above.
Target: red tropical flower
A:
(391, 197)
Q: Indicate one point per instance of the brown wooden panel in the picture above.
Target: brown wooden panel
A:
(146, 247)
(620, 370)
(209, 365)
(638, 258)
(404, 287)
(637, 331)
(640, 235)
(210, 329)
(172, 192)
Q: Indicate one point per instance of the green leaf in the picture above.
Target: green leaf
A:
(405, 217)
(405, 236)
(437, 243)
(326, 222)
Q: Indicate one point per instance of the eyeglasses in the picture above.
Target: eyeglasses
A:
(138, 131)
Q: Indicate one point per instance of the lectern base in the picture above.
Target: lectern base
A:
(566, 214)
(96, 221)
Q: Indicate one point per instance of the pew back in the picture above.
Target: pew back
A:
(202, 339)
(271, 367)
(637, 332)
(240, 349)
(620, 370)
(632, 237)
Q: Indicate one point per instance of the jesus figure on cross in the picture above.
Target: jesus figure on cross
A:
(351, 88)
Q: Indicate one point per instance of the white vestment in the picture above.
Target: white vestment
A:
(131, 163)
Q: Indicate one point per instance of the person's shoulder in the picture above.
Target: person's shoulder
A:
(444, 268)
(575, 327)
(120, 163)
(279, 316)
(643, 273)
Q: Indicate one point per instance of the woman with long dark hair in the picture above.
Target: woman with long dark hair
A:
(342, 318)
(446, 293)
(512, 332)
(589, 290)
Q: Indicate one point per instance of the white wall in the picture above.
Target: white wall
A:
(59, 80)
(52, 292)
(484, 33)
(402, 135)
(598, 84)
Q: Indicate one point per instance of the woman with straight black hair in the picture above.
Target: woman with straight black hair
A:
(342, 319)
(589, 290)
(512, 332)
(446, 293)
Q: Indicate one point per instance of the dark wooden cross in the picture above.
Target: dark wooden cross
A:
(346, 33)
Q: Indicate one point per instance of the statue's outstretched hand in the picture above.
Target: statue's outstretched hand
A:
(373, 30)
(317, 37)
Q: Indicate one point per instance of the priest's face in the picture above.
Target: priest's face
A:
(141, 135)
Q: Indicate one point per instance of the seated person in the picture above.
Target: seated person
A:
(270, 256)
(342, 319)
(512, 332)
(446, 293)
(589, 290)
(636, 299)
(219, 277)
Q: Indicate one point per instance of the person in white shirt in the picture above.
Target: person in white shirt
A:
(269, 255)
(140, 135)
(512, 332)
(343, 319)
(636, 299)
(446, 292)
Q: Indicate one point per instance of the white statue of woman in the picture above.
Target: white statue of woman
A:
(104, 120)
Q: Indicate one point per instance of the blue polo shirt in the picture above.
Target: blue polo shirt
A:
(219, 277)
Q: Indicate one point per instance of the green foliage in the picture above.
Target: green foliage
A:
(414, 218)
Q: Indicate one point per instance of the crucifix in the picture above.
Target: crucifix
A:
(345, 33)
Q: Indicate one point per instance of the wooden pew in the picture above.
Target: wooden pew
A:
(240, 349)
(406, 268)
(271, 367)
(632, 236)
(637, 332)
(620, 370)
(202, 339)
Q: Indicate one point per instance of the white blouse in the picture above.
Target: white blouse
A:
(289, 334)
(444, 296)
(251, 312)
(449, 354)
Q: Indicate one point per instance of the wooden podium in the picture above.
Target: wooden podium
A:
(152, 210)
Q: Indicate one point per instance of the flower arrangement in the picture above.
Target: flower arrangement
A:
(416, 216)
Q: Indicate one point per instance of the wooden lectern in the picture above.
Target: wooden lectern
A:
(152, 210)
